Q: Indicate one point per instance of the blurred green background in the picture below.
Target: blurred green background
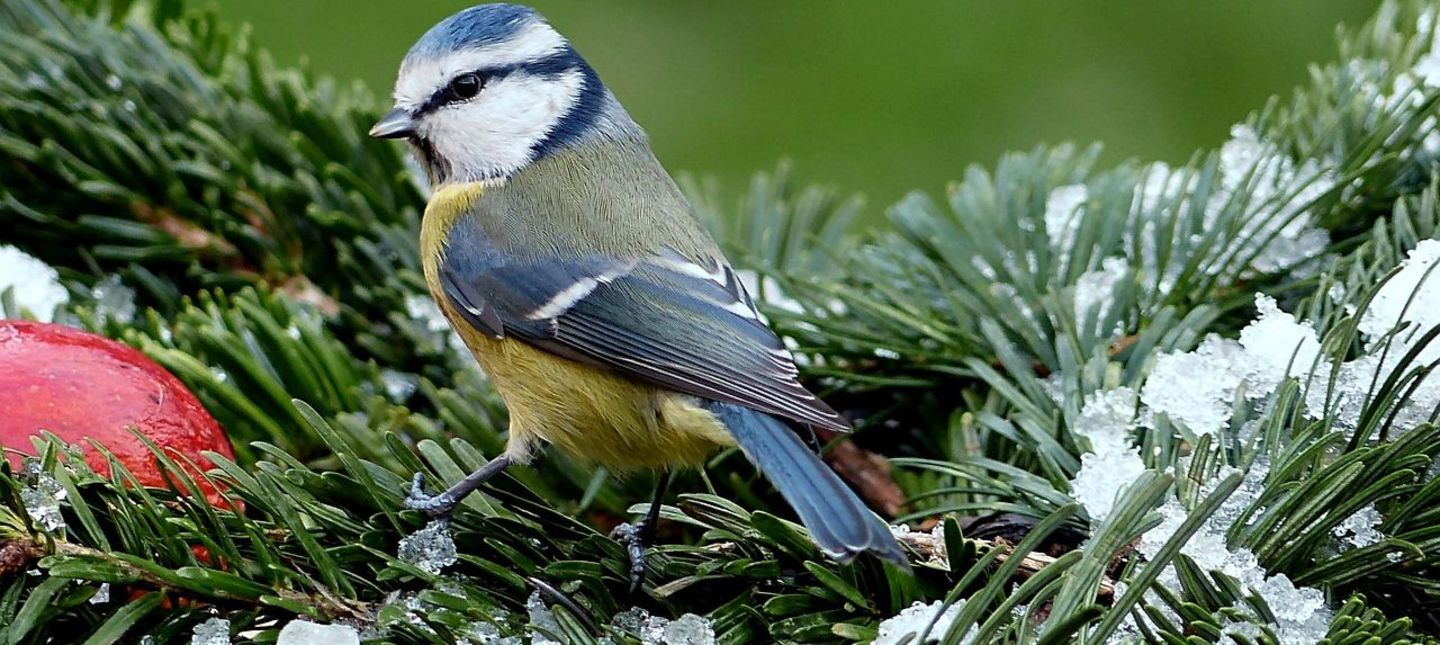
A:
(880, 97)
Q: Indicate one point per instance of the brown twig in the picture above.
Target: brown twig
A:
(932, 547)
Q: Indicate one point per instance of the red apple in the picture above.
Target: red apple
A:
(81, 386)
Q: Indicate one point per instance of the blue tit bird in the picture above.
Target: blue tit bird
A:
(572, 266)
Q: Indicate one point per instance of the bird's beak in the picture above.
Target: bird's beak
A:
(398, 124)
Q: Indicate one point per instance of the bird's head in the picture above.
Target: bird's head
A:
(490, 90)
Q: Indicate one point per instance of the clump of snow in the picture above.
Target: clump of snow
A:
(1160, 184)
(1361, 529)
(1197, 388)
(1280, 232)
(1062, 215)
(1409, 88)
(1103, 477)
(423, 309)
(1300, 612)
(1160, 190)
(1106, 419)
(1054, 386)
(913, 620)
(430, 549)
(1289, 603)
(214, 631)
(1268, 192)
(113, 300)
(636, 621)
(304, 632)
(1277, 346)
(102, 594)
(1113, 462)
(688, 629)
(1095, 290)
(1338, 294)
(1252, 485)
(1207, 545)
(1410, 296)
(1427, 68)
(34, 285)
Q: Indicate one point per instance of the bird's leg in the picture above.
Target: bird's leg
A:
(813, 441)
(637, 537)
(442, 505)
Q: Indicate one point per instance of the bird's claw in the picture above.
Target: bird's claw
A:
(437, 506)
(812, 441)
(634, 537)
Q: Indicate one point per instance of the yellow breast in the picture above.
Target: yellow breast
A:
(589, 412)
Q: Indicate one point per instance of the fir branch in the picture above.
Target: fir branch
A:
(980, 335)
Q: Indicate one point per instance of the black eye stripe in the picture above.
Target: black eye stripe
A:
(452, 92)
(552, 65)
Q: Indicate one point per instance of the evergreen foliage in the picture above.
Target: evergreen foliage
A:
(986, 342)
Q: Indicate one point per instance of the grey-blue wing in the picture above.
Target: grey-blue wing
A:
(684, 325)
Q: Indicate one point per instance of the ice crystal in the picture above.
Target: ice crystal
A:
(214, 631)
(912, 621)
(430, 549)
(113, 300)
(543, 623)
(1095, 291)
(1197, 389)
(41, 497)
(688, 629)
(1360, 529)
(304, 632)
(1062, 215)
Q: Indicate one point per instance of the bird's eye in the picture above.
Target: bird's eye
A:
(466, 86)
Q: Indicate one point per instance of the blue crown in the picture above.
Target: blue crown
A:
(477, 26)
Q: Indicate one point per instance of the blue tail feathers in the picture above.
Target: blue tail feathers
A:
(839, 523)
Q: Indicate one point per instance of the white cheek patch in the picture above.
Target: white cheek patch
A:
(495, 134)
(419, 80)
